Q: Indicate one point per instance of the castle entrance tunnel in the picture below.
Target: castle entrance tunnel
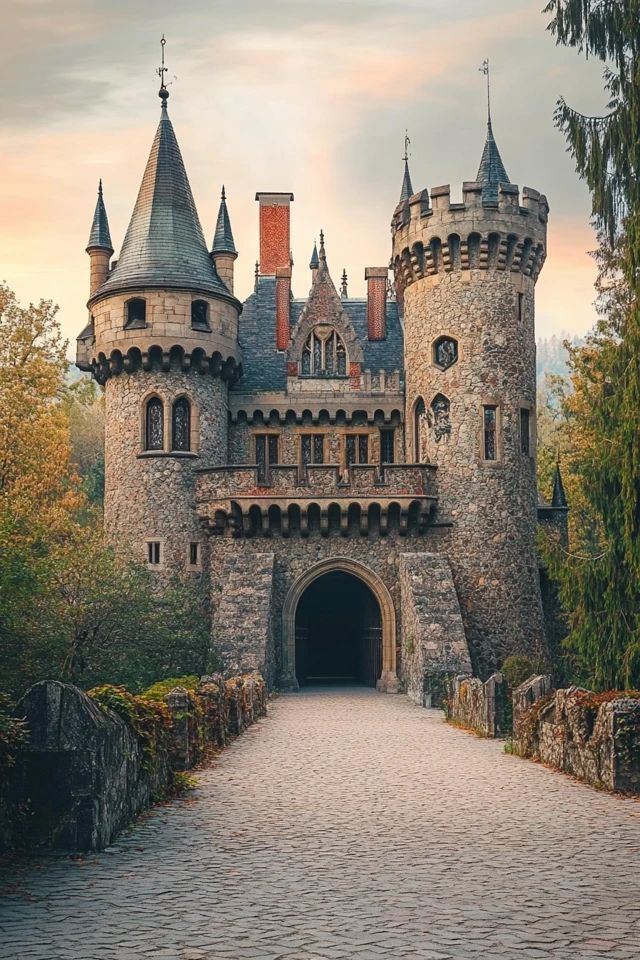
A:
(338, 632)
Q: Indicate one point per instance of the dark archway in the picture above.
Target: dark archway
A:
(338, 632)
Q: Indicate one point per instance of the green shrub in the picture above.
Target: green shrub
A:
(158, 691)
(516, 669)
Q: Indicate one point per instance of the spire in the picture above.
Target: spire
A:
(314, 263)
(559, 498)
(164, 245)
(322, 256)
(100, 238)
(491, 171)
(343, 285)
(223, 237)
(407, 187)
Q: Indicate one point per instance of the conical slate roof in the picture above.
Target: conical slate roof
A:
(407, 187)
(491, 171)
(559, 498)
(164, 245)
(223, 238)
(314, 263)
(100, 238)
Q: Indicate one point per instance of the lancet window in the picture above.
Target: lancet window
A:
(324, 353)
(154, 425)
(181, 425)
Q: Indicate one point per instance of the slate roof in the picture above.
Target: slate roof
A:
(491, 171)
(164, 245)
(407, 187)
(223, 241)
(264, 369)
(99, 237)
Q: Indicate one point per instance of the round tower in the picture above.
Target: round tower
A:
(163, 340)
(465, 276)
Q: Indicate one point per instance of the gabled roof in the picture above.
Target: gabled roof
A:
(223, 238)
(164, 245)
(99, 237)
(491, 171)
(407, 187)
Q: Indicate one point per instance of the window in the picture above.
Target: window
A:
(154, 553)
(525, 431)
(387, 445)
(136, 315)
(311, 448)
(419, 431)
(441, 418)
(324, 354)
(490, 440)
(200, 315)
(194, 554)
(181, 425)
(520, 305)
(357, 448)
(154, 425)
(445, 352)
(266, 453)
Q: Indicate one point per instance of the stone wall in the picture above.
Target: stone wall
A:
(434, 645)
(243, 615)
(478, 706)
(594, 737)
(86, 771)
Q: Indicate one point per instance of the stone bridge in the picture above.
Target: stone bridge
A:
(349, 825)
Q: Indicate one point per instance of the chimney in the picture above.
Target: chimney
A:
(283, 302)
(376, 278)
(275, 242)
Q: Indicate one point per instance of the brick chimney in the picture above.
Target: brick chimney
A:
(376, 278)
(283, 303)
(275, 234)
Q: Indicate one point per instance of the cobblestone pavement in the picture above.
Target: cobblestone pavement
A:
(351, 824)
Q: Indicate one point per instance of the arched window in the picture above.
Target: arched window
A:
(181, 425)
(440, 408)
(136, 313)
(154, 425)
(419, 424)
(200, 315)
(324, 354)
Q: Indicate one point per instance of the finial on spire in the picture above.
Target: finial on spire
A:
(100, 187)
(343, 285)
(407, 186)
(407, 144)
(485, 70)
(322, 254)
(163, 93)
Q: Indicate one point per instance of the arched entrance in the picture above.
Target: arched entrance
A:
(338, 632)
(339, 624)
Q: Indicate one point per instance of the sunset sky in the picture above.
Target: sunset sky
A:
(281, 95)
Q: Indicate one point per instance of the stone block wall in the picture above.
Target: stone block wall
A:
(86, 771)
(594, 737)
(478, 706)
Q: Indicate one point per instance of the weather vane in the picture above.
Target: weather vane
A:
(163, 93)
(407, 144)
(485, 69)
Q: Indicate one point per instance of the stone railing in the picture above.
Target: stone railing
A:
(92, 763)
(289, 499)
(594, 737)
(477, 706)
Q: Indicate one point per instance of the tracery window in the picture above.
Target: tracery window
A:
(324, 353)
(154, 425)
(440, 412)
(181, 425)
(445, 352)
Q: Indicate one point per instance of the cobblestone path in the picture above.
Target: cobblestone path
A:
(351, 824)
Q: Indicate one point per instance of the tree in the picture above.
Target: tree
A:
(84, 408)
(600, 579)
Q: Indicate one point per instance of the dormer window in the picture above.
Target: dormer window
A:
(136, 313)
(200, 315)
(324, 354)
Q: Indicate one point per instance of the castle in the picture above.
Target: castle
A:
(352, 480)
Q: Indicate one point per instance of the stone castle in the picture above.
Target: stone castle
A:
(352, 480)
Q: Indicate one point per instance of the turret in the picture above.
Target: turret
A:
(465, 274)
(99, 248)
(223, 250)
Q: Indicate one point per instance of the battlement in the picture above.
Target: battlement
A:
(432, 236)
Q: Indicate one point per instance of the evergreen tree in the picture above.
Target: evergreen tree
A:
(600, 581)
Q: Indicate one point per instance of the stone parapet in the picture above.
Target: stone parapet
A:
(380, 398)
(478, 706)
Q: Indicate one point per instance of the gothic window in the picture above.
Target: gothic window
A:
(181, 425)
(490, 429)
(312, 448)
(324, 354)
(357, 448)
(154, 425)
(200, 315)
(266, 453)
(440, 411)
(525, 431)
(419, 424)
(136, 313)
(387, 445)
(445, 352)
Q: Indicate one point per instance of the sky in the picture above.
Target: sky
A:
(275, 95)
